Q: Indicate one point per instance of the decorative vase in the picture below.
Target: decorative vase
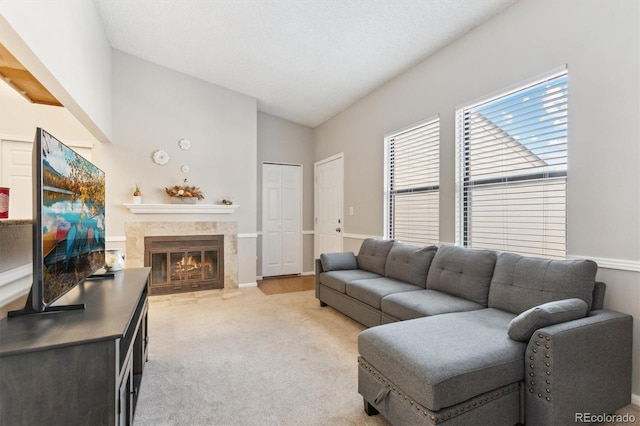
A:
(114, 260)
(137, 199)
(184, 200)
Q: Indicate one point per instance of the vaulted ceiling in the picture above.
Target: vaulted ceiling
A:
(303, 60)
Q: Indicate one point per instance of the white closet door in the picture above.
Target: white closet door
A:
(291, 220)
(281, 219)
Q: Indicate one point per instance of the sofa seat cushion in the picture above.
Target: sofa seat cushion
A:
(462, 272)
(446, 359)
(520, 283)
(423, 303)
(410, 264)
(373, 253)
(338, 279)
(372, 291)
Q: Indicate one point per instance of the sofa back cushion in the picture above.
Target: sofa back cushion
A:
(410, 264)
(520, 283)
(462, 272)
(373, 253)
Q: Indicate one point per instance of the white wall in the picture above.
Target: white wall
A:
(19, 119)
(600, 44)
(282, 141)
(63, 45)
(153, 108)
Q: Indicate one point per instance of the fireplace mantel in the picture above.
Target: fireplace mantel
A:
(181, 208)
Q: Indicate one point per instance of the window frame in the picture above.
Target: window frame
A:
(465, 184)
(390, 193)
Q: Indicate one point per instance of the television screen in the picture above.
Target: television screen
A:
(69, 209)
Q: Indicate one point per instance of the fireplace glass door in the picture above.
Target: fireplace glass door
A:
(179, 264)
(184, 267)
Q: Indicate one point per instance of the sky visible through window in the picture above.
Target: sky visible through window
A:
(535, 117)
(513, 169)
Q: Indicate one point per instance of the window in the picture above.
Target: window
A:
(412, 184)
(512, 170)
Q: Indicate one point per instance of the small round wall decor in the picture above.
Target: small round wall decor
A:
(184, 144)
(185, 169)
(160, 157)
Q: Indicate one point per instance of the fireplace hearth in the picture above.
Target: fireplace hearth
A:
(184, 263)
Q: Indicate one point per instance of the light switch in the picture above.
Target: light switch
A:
(350, 210)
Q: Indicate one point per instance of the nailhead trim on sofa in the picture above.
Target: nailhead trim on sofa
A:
(540, 357)
(453, 411)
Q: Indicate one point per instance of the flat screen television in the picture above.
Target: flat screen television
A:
(68, 222)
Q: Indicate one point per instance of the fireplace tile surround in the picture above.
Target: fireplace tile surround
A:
(136, 231)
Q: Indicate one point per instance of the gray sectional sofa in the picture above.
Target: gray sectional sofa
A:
(474, 337)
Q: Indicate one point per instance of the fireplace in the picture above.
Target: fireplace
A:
(184, 263)
(136, 232)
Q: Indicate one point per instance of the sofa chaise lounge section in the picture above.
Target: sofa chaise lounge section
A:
(479, 337)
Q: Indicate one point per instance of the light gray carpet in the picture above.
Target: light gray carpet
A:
(241, 357)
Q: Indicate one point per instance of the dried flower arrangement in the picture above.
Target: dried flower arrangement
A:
(184, 191)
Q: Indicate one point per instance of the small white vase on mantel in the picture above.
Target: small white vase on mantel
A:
(137, 199)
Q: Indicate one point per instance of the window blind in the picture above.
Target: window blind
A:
(512, 170)
(413, 184)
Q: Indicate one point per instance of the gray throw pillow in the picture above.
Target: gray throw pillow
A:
(523, 326)
(338, 261)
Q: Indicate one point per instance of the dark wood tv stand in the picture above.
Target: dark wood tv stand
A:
(80, 367)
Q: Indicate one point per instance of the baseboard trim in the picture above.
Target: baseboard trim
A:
(635, 399)
(246, 285)
(606, 263)
(15, 283)
(248, 235)
(116, 239)
(260, 277)
(603, 262)
(360, 236)
(15, 274)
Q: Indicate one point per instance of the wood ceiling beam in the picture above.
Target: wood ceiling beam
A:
(18, 77)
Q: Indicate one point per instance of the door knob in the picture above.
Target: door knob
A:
(338, 229)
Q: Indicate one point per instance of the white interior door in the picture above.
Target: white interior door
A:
(16, 175)
(15, 167)
(281, 219)
(329, 205)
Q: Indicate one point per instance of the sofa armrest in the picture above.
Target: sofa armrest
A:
(580, 366)
(338, 261)
(319, 270)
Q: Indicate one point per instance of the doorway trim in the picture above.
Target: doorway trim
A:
(301, 213)
(316, 206)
